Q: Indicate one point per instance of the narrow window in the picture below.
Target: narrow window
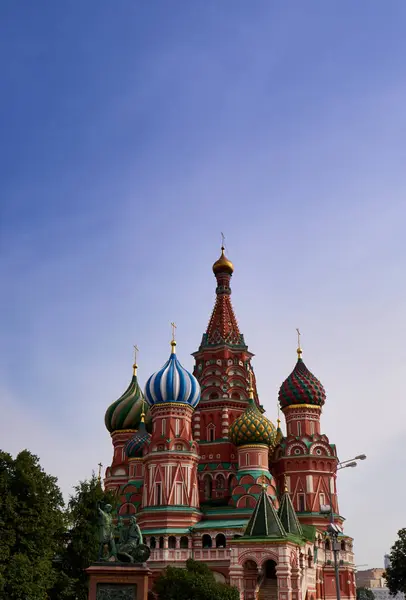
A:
(322, 499)
(211, 433)
(299, 428)
(158, 494)
(311, 428)
(178, 493)
(163, 426)
(247, 459)
(301, 502)
(177, 426)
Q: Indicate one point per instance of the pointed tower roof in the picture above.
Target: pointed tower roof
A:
(264, 521)
(288, 517)
(223, 327)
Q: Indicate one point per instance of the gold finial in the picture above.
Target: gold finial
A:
(223, 265)
(299, 349)
(173, 341)
(135, 366)
(279, 414)
(264, 483)
(251, 386)
(99, 475)
(142, 420)
(285, 484)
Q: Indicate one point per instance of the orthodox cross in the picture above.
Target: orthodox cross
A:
(223, 239)
(298, 337)
(136, 350)
(173, 325)
(100, 468)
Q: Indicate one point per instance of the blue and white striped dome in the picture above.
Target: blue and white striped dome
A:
(172, 383)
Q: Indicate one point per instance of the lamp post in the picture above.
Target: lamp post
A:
(334, 530)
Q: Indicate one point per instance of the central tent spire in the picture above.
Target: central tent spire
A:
(223, 327)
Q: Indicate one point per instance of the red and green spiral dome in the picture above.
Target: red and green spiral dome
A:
(301, 387)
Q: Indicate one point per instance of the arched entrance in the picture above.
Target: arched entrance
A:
(250, 573)
(269, 584)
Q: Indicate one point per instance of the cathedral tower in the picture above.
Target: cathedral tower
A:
(223, 364)
(170, 492)
(305, 461)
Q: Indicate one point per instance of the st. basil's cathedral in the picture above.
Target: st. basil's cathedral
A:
(210, 477)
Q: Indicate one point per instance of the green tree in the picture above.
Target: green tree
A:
(395, 574)
(364, 593)
(81, 541)
(196, 582)
(31, 527)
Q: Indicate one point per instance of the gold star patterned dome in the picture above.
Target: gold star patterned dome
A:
(252, 427)
(223, 265)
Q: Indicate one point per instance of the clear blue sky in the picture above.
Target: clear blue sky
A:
(132, 133)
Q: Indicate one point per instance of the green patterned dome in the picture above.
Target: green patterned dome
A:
(125, 413)
(252, 427)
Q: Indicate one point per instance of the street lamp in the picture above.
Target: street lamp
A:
(334, 530)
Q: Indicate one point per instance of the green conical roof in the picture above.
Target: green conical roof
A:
(264, 521)
(288, 517)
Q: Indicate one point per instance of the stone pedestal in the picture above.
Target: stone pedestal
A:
(118, 581)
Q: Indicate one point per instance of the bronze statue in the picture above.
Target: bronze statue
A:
(106, 533)
(132, 549)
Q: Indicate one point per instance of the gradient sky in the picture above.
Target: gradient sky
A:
(132, 134)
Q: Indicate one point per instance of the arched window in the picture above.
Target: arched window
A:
(211, 432)
(177, 427)
(214, 396)
(172, 542)
(343, 547)
(207, 541)
(309, 559)
(299, 428)
(163, 425)
(220, 482)
(208, 486)
(327, 546)
(152, 543)
(161, 541)
(184, 542)
(235, 396)
(220, 540)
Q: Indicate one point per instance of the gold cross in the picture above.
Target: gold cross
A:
(223, 239)
(100, 468)
(173, 325)
(136, 350)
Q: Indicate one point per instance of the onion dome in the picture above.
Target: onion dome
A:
(172, 383)
(301, 387)
(223, 265)
(252, 427)
(125, 413)
(140, 439)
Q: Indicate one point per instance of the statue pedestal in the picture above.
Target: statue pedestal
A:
(124, 581)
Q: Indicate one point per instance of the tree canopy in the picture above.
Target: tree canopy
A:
(196, 582)
(364, 593)
(31, 527)
(395, 574)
